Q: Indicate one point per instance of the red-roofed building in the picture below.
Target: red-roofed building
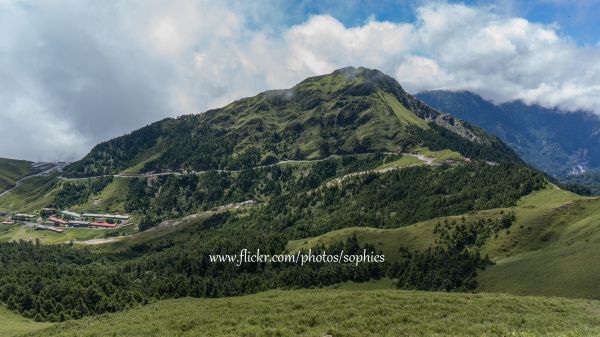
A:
(57, 221)
(102, 224)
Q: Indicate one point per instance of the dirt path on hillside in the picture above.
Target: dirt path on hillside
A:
(100, 241)
(424, 159)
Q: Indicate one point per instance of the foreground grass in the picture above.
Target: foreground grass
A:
(347, 313)
(12, 324)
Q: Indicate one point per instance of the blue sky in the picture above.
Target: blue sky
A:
(83, 71)
(577, 19)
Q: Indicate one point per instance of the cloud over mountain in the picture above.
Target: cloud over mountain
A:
(77, 73)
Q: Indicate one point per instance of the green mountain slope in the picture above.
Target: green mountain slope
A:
(342, 150)
(346, 313)
(31, 195)
(12, 170)
(352, 110)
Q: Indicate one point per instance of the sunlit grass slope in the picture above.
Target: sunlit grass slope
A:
(33, 194)
(330, 312)
(12, 324)
(550, 250)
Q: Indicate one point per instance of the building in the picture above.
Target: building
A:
(70, 215)
(57, 221)
(49, 228)
(102, 224)
(76, 223)
(97, 216)
(7, 222)
(23, 217)
(47, 211)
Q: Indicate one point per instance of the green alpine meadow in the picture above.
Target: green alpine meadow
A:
(148, 234)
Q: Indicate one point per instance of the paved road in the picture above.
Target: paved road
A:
(283, 162)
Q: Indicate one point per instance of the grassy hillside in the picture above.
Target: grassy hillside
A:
(346, 313)
(549, 250)
(419, 236)
(12, 324)
(11, 171)
(33, 194)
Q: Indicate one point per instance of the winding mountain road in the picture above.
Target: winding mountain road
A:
(282, 162)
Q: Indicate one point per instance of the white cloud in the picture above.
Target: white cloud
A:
(80, 72)
(459, 47)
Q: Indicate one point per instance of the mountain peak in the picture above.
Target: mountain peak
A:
(365, 79)
(359, 72)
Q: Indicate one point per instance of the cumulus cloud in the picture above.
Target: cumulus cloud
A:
(75, 73)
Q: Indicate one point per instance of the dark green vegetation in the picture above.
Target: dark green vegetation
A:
(78, 193)
(11, 171)
(346, 313)
(177, 266)
(57, 282)
(347, 112)
(397, 198)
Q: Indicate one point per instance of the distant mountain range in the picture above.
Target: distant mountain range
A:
(563, 144)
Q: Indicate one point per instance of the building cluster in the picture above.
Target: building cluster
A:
(55, 220)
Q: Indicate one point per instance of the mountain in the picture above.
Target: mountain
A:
(555, 141)
(352, 110)
(337, 152)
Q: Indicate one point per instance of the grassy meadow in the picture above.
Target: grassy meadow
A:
(350, 313)
(12, 324)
